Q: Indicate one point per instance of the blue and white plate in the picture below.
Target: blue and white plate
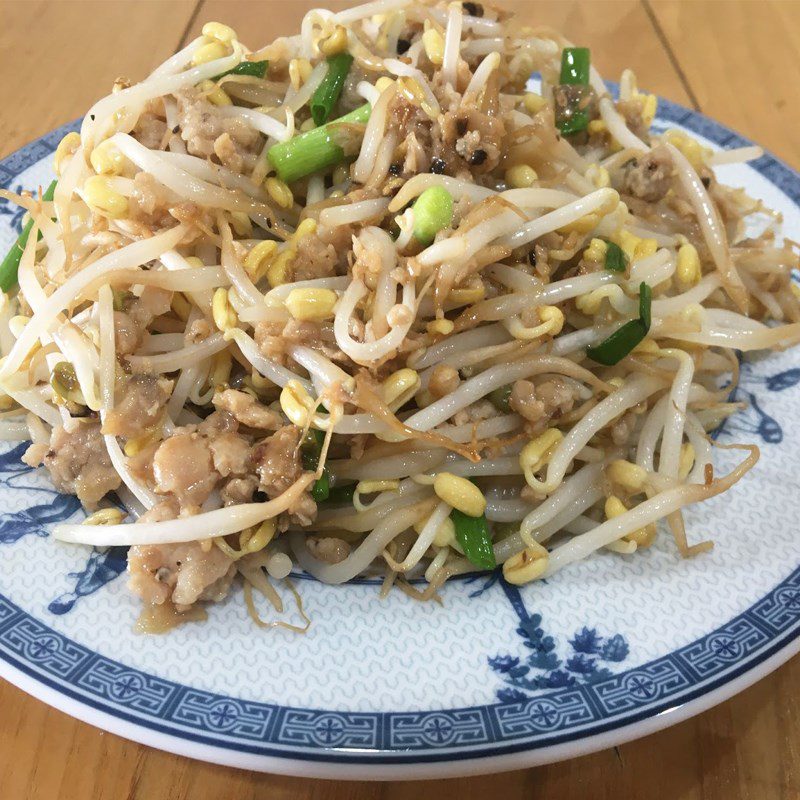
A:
(496, 678)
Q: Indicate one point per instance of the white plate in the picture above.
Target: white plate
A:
(497, 678)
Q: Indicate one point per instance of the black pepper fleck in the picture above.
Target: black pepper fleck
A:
(706, 182)
(402, 46)
(259, 496)
(473, 9)
(395, 169)
(437, 166)
(461, 127)
(532, 258)
(477, 158)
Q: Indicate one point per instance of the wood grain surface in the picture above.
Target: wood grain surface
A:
(736, 61)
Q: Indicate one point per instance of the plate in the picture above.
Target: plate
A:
(496, 678)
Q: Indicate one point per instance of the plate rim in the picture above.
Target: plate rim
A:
(496, 755)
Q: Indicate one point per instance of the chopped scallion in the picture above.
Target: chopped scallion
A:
(327, 93)
(255, 69)
(342, 494)
(321, 488)
(620, 343)
(499, 398)
(311, 450)
(616, 260)
(575, 62)
(571, 109)
(318, 148)
(433, 211)
(645, 304)
(10, 265)
(472, 533)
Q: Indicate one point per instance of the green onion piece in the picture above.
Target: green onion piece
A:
(321, 488)
(620, 343)
(575, 63)
(616, 260)
(327, 93)
(613, 349)
(433, 211)
(576, 122)
(316, 149)
(256, 69)
(499, 398)
(10, 265)
(311, 449)
(342, 494)
(472, 534)
(645, 303)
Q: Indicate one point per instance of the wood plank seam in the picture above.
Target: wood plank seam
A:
(193, 16)
(662, 37)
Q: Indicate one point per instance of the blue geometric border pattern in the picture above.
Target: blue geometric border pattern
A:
(546, 719)
(324, 734)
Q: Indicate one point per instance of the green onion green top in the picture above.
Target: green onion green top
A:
(10, 265)
(616, 260)
(499, 398)
(311, 450)
(645, 305)
(433, 211)
(256, 69)
(342, 494)
(620, 343)
(472, 533)
(324, 98)
(575, 63)
(316, 149)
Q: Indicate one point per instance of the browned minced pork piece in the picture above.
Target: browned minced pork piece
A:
(474, 136)
(247, 410)
(539, 404)
(183, 466)
(278, 464)
(648, 177)
(127, 334)
(150, 128)
(230, 453)
(201, 125)
(226, 152)
(272, 338)
(218, 422)
(475, 412)
(139, 405)
(314, 259)
(239, 490)
(148, 193)
(406, 118)
(160, 512)
(181, 573)
(152, 303)
(328, 548)
(277, 460)
(150, 201)
(79, 463)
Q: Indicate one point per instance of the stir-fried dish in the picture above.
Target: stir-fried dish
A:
(360, 303)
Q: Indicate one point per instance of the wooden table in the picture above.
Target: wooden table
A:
(737, 62)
